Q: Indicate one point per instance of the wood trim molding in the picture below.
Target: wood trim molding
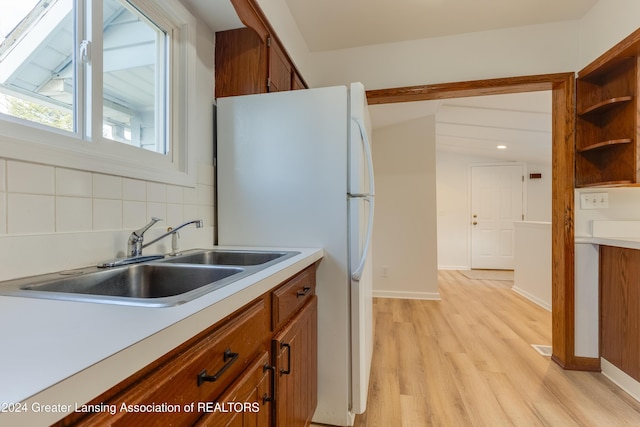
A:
(562, 86)
(463, 89)
(253, 17)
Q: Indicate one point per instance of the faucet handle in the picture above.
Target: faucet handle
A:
(139, 232)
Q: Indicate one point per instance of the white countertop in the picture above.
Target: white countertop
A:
(66, 353)
(621, 242)
(623, 234)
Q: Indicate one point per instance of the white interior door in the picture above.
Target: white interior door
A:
(496, 202)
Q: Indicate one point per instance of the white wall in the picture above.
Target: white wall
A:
(54, 218)
(608, 22)
(538, 193)
(404, 236)
(453, 202)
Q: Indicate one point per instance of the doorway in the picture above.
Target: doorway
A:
(496, 202)
(562, 86)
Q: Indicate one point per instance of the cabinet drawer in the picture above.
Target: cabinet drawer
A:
(292, 295)
(247, 402)
(199, 374)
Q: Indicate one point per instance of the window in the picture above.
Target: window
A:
(86, 73)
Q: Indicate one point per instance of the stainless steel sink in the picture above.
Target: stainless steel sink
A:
(168, 282)
(138, 281)
(230, 257)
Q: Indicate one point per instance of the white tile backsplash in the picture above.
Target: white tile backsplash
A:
(191, 211)
(107, 186)
(133, 189)
(57, 207)
(3, 175)
(74, 214)
(175, 215)
(134, 214)
(73, 183)
(175, 194)
(205, 195)
(190, 196)
(30, 178)
(30, 214)
(205, 213)
(156, 192)
(3, 213)
(158, 210)
(107, 214)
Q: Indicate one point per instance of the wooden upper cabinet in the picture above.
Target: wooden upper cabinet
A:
(607, 104)
(279, 68)
(252, 60)
(241, 63)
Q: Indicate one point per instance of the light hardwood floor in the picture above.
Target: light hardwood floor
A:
(467, 361)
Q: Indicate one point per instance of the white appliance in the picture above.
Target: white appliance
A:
(295, 169)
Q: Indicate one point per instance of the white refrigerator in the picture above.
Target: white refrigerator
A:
(295, 169)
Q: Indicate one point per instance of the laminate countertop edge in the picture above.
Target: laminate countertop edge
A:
(621, 242)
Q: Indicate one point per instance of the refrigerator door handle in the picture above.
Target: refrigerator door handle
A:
(356, 275)
(367, 150)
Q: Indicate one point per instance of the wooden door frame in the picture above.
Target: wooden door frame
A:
(562, 86)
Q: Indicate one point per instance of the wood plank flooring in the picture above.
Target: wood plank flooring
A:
(467, 361)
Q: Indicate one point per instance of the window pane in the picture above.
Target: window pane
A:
(36, 61)
(134, 78)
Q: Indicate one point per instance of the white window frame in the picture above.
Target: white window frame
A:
(43, 144)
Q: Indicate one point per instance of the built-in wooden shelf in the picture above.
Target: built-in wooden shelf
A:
(624, 183)
(606, 105)
(604, 144)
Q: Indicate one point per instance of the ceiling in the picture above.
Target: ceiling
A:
(339, 24)
(475, 126)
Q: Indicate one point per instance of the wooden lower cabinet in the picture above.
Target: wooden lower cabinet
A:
(620, 308)
(225, 376)
(247, 403)
(296, 348)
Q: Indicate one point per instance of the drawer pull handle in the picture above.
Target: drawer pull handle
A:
(229, 358)
(305, 290)
(266, 398)
(288, 370)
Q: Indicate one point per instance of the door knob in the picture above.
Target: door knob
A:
(474, 223)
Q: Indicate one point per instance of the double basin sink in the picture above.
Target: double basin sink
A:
(165, 282)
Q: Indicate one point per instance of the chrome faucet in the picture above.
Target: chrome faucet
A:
(134, 244)
(170, 231)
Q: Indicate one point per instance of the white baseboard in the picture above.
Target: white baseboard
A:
(532, 298)
(453, 267)
(620, 378)
(435, 296)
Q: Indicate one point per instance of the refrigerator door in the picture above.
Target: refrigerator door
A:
(360, 159)
(360, 210)
(282, 181)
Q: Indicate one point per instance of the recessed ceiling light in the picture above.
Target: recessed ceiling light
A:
(501, 147)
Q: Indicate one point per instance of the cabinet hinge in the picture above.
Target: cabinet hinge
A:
(268, 82)
(268, 41)
(522, 178)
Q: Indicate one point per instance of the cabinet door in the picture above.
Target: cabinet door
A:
(247, 403)
(241, 63)
(279, 68)
(620, 308)
(296, 351)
